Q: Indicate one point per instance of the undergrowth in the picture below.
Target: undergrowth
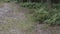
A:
(40, 13)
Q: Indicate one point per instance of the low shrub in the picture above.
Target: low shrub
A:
(31, 5)
(42, 15)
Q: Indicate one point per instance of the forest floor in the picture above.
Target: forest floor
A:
(14, 21)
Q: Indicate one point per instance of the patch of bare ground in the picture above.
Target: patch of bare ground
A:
(13, 19)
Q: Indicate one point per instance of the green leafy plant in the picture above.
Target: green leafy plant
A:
(41, 14)
(31, 5)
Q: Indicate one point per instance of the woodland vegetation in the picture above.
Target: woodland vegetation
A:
(43, 11)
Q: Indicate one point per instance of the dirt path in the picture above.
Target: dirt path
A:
(7, 16)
